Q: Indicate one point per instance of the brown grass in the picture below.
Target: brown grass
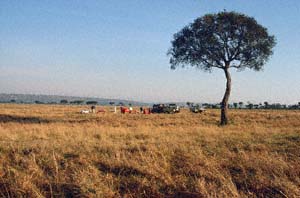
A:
(53, 151)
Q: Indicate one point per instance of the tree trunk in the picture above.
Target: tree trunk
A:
(224, 104)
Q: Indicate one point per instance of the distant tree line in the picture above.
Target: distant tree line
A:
(235, 105)
(73, 102)
(249, 105)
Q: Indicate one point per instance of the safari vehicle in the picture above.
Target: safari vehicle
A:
(163, 108)
(197, 109)
(159, 108)
(175, 108)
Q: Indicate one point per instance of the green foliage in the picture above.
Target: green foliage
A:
(63, 102)
(77, 102)
(38, 102)
(91, 102)
(222, 40)
(235, 105)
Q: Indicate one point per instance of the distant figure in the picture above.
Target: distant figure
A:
(141, 109)
(93, 109)
(115, 110)
(130, 109)
(146, 111)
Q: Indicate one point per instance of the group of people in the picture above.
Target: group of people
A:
(122, 109)
(131, 110)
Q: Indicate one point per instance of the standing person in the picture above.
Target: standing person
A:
(93, 109)
(141, 109)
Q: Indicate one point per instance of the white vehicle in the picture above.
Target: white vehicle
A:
(197, 109)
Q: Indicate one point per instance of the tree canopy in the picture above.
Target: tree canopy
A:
(225, 38)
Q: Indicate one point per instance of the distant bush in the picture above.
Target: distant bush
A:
(63, 102)
(77, 102)
(38, 102)
(91, 102)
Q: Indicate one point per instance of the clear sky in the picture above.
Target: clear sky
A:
(117, 49)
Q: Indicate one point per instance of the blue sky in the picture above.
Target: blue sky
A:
(117, 49)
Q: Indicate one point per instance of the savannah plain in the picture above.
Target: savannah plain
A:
(54, 151)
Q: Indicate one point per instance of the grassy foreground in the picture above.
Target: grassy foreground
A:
(53, 151)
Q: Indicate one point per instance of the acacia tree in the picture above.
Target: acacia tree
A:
(224, 40)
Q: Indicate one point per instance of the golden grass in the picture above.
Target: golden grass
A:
(53, 151)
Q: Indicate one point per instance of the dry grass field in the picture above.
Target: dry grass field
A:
(53, 151)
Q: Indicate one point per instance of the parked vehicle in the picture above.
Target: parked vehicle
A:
(157, 108)
(165, 108)
(197, 109)
(175, 108)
